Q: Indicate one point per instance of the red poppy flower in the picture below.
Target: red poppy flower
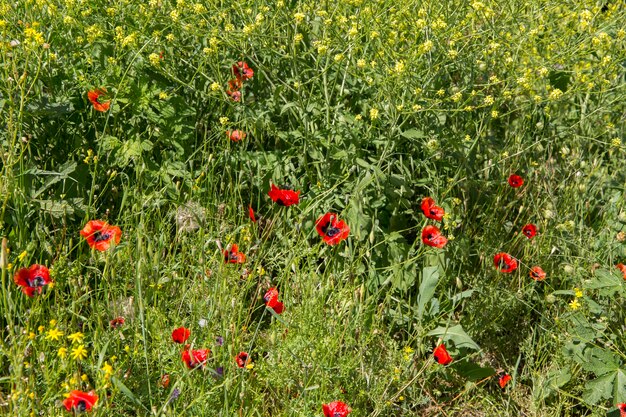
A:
(251, 214)
(516, 181)
(331, 229)
(242, 359)
(233, 256)
(117, 322)
(236, 135)
(441, 355)
(99, 234)
(284, 197)
(503, 380)
(181, 335)
(530, 230)
(431, 210)
(622, 409)
(33, 279)
(336, 409)
(431, 236)
(79, 401)
(242, 71)
(504, 262)
(94, 96)
(271, 300)
(622, 268)
(195, 358)
(537, 273)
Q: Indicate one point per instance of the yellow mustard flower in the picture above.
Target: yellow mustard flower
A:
(79, 352)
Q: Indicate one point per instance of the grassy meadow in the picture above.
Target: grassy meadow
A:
(214, 208)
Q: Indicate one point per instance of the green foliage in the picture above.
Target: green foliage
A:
(365, 108)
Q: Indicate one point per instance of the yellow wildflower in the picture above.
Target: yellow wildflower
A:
(79, 353)
(578, 292)
(574, 304)
(76, 337)
(53, 334)
(62, 353)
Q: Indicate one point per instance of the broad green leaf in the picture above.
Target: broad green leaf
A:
(413, 134)
(128, 393)
(456, 334)
(472, 371)
(430, 278)
(606, 282)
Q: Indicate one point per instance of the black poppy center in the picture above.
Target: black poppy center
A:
(433, 212)
(38, 281)
(101, 236)
(232, 255)
(332, 231)
(336, 414)
(81, 405)
(503, 264)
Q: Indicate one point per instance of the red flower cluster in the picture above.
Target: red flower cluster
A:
(431, 236)
(99, 234)
(441, 355)
(431, 210)
(233, 256)
(181, 335)
(622, 268)
(271, 300)
(195, 358)
(505, 262)
(537, 273)
(79, 401)
(236, 135)
(331, 229)
(284, 197)
(242, 73)
(516, 181)
(503, 380)
(530, 230)
(94, 98)
(117, 322)
(336, 409)
(33, 279)
(242, 360)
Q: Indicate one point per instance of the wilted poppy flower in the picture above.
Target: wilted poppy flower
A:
(503, 380)
(336, 409)
(537, 273)
(94, 98)
(284, 197)
(33, 279)
(233, 256)
(164, 382)
(271, 300)
(516, 181)
(441, 355)
(251, 214)
(99, 234)
(195, 358)
(432, 211)
(622, 268)
(243, 359)
(80, 401)
(242, 71)
(117, 322)
(622, 409)
(233, 89)
(431, 236)
(181, 335)
(504, 262)
(236, 135)
(530, 230)
(331, 229)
